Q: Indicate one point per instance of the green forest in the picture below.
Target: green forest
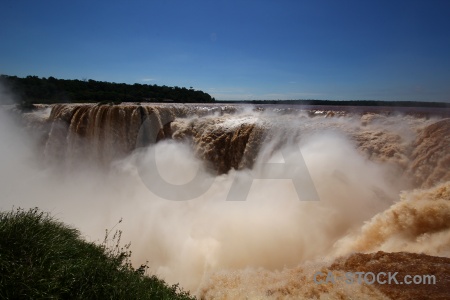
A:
(33, 89)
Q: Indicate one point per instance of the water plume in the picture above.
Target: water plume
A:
(86, 165)
(418, 223)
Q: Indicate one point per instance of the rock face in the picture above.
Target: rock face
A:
(304, 282)
(404, 264)
(225, 145)
(229, 137)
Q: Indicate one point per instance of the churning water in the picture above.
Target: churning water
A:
(235, 201)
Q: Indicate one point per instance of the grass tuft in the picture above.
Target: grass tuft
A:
(41, 257)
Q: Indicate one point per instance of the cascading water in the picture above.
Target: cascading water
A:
(382, 181)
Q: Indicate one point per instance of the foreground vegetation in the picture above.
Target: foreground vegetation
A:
(41, 257)
(33, 89)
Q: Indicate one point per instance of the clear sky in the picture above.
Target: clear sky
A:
(237, 49)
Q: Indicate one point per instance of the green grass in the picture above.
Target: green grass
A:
(42, 258)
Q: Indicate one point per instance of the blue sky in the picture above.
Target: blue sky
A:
(387, 50)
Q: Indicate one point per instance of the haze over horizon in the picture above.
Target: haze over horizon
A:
(238, 50)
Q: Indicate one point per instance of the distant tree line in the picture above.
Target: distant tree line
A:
(33, 89)
(346, 103)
